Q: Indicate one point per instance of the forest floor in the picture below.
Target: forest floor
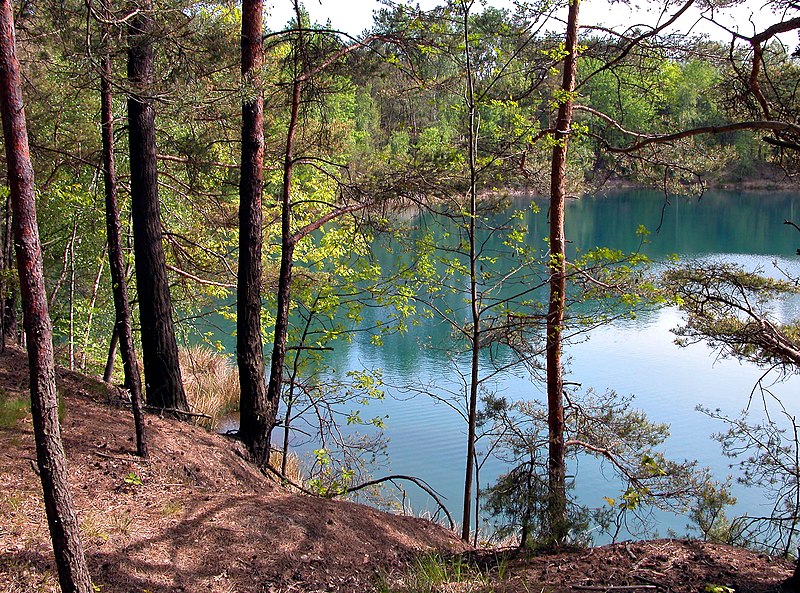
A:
(196, 517)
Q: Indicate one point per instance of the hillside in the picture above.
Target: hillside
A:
(197, 517)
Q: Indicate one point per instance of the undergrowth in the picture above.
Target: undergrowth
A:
(434, 573)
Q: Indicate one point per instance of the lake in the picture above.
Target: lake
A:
(632, 356)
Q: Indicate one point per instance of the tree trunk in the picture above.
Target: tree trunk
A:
(557, 496)
(287, 248)
(108, 373)
(71, 334)
(159, 348)
(92, 305)
(8, 296)
(119, 285)
(475, 345)
(73, 574)
(255, 424)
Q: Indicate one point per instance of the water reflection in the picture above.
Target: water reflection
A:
(633, 356)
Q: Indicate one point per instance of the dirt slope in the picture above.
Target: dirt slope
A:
(197, 517)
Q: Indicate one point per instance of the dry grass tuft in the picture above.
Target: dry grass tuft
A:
(294, 467)
(211, 382)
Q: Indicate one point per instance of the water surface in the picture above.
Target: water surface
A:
(632, 356)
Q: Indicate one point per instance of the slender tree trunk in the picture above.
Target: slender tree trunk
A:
(287, 419)
(255, 423)
(472, 405)
(10, 302)
(71, 336)
(92, 304)
(475, 338)
(557, 497)
(73, 574)
(288, 240)
(8, 309)
(64, 266)
(108, 373)
(159, 347)
(119, 285)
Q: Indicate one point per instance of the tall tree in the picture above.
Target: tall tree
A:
(557, 507)
(257, 414)
(302, 76)
(288, 240)
(475, 304)
(122, 320)
(159, 347)
(73, 573)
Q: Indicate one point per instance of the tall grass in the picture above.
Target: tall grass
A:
(294, 467)
(211, 382)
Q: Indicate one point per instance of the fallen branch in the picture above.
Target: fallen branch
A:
(614, 587)
(118, 457)
(178, 412)
(283, 478)
(430, 491)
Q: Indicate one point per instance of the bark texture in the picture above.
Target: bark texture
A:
(73, 574)
(255, 415)
(122, 308)
(159, 347)
(557, 499)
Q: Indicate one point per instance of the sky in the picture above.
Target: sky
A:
(353, 16)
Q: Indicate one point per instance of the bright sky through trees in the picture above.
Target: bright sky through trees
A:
(353, 16)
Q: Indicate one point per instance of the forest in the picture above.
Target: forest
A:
(176, 167)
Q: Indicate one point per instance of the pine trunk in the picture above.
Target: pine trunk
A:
(255, 425)
(122, 308)
(64, 531)
(159, 347)
(8, 305)
(278, 360)
(557, 496)
(475, 340)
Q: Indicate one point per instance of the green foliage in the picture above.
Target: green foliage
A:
(132, 479)
(730, 309)
(708, 515)
(329, 481)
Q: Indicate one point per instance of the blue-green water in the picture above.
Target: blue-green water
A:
(638, 356)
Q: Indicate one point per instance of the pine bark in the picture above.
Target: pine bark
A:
(255, 421)
(159, 347)
(63, 524)
(119, 285)
(557, 496)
